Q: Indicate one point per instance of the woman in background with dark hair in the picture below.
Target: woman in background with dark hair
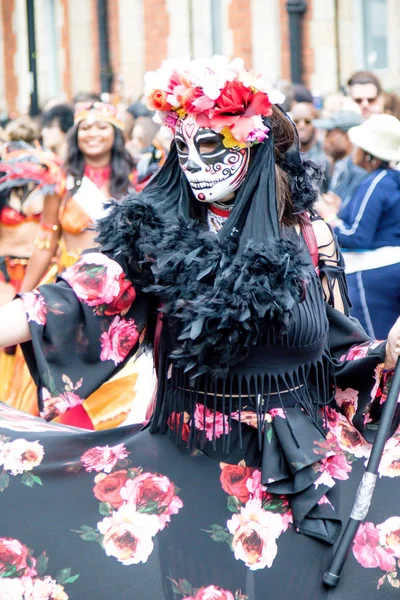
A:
(97, 168)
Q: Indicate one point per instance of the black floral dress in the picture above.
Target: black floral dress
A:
(236, 490)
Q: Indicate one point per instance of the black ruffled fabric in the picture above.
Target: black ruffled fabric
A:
(220, 302)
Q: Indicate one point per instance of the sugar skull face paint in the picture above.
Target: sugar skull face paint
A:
(212, 170)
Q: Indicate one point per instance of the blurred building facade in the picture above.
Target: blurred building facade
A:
(339, 37)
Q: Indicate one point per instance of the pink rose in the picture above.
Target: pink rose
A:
(389, 535)
(255, 531)
(347, 398)
(35, 307)
(14, 554)
(42, 589)
(149, 489)
(118, 341)
(128, 535)
(351, 440)
(11, 589)
(103, 458)
(20, 455)
(212, 592)
(368, 552)
(95, 279)
(356, 352)
(390, 461)
(211, 422)
(277, 412)
(234, 480)
(337, 466)
(53, 406)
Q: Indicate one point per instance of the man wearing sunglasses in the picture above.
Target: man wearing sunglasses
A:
(303, 115)
(366, 91)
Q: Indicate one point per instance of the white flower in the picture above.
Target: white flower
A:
(20, 455)
(11, 589)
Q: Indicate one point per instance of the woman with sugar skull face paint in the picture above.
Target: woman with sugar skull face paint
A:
(268, 393)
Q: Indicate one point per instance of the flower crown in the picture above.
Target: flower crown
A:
(97, 111)
(219, 94)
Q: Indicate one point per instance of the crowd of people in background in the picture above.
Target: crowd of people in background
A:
(104, 150)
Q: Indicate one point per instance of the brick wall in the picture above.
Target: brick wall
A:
(10, 48)
(240, 23)
(156, 32)
(66, 55)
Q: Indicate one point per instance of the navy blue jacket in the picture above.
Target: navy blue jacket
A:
(372, 217)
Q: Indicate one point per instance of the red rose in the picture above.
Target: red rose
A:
(122, 303)
(108, 489)
(174, 421)
(14, 554)
(234, 99)
(154, 492)
(233, 479)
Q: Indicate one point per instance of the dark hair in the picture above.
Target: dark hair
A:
(302, 93)
(137, 109)
(64, 113)
(364, 77)
(121, 162)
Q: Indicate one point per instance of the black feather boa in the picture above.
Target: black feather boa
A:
(218, 303)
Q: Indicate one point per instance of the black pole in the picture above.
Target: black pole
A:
(106, 74)
(30, 13)
(296, 10)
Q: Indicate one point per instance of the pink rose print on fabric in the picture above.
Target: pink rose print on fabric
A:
(155, 489)
(211, 592)
(347, 400)
(390, 461)
(136, 506)
(359, 351)
(100, 282)
(255, 532)
(118, 341)
(22, 576)
(213, 423)
(389, 535)
(277, 412)
(128, 535)
(333, 467)
(35, 307)
(369, 552)
(259, 517)
(103, 458)
(55, 404)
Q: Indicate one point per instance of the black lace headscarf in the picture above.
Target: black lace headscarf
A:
(220, 293)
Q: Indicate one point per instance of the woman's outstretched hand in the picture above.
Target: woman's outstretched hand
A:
(393, 346)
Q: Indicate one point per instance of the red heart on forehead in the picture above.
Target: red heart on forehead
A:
(189, 128)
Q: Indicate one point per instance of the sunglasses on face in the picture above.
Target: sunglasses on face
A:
(361, 100)
(301, 120)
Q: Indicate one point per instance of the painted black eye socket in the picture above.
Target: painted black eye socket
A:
(209, 146)
(182, 147)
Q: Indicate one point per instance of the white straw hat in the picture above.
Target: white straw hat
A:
(379, 136)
